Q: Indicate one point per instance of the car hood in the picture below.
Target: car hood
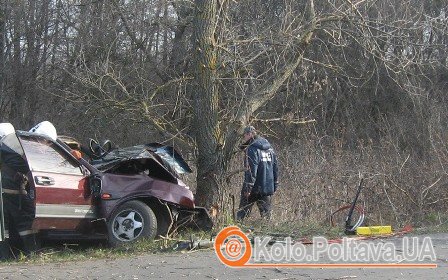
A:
(154, 159)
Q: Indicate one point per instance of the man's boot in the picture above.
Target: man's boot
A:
(29, 244)
(5, 252)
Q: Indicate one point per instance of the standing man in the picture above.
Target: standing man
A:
(18, 197)
(260, 176)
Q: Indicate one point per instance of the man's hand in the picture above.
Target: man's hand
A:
(248, 190)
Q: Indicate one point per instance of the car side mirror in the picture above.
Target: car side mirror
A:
(95, 185)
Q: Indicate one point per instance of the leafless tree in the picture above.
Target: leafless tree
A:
(336, 72)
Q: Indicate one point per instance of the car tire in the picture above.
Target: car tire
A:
(131, 221)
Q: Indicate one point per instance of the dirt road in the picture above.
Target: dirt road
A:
(205, 265)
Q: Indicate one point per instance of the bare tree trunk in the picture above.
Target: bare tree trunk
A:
(165, 37)
(2, 59)
(207, 133)
(18, 96)
(33, 33)
(214, 153)
(179, 52)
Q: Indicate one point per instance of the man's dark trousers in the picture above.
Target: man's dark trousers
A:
(246, 203)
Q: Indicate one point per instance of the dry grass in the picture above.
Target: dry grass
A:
(401, 186)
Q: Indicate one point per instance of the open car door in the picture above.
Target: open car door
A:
(11, 159)
(2, 218)
(63, 198)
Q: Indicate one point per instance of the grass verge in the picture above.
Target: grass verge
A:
(65, 252)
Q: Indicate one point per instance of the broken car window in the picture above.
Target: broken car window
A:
(44, 155)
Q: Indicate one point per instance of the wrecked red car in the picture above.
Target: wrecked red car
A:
(119, 194)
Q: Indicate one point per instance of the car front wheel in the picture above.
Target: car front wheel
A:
(131, 221)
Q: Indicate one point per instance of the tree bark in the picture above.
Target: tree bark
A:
(18, 94)
(2, 58)
(207, 133)
(214, 153)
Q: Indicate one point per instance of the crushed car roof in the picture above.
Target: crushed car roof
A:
(168, 155)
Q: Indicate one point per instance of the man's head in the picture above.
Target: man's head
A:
(5, 129)
(249, 133)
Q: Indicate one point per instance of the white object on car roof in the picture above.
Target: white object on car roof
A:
(45, 128)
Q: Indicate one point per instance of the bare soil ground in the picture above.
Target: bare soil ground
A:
(205, 265)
